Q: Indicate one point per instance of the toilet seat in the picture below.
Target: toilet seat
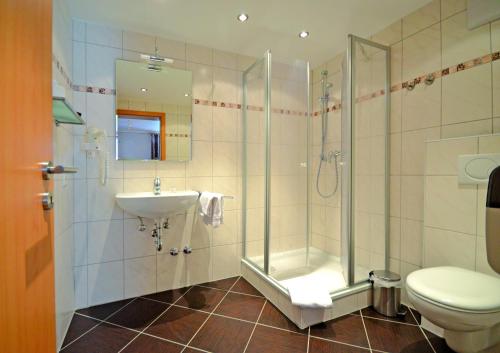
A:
(456, 289)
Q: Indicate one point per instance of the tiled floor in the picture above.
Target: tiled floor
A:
(231, 316)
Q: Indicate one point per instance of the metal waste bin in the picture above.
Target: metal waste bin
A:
(387, 293)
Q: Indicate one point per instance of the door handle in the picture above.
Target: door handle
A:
(49, 168)
(47, 201)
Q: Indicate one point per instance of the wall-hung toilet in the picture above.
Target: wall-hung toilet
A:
(466, 304)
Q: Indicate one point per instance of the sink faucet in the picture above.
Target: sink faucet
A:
(157, 186)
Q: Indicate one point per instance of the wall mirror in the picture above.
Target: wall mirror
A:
(153, 112)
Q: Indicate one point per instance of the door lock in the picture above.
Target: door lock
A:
(47, 201)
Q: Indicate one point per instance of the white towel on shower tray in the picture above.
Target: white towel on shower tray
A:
(212, 208)
(309, 295)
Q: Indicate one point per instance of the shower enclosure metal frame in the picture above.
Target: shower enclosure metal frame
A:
(266, 60)
(347, 197)
(347, 220)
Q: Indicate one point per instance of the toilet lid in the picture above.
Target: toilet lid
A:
(457, 287)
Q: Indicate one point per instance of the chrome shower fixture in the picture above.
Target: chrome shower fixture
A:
(330, 156)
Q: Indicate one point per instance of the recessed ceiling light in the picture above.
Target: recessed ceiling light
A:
(186, 94)
(144, 89)
(304, 34)
(242, 17)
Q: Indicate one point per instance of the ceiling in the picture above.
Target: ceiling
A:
(273, 24)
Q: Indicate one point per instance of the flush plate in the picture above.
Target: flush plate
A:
(476, 168)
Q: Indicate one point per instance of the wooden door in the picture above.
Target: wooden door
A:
(27, 302)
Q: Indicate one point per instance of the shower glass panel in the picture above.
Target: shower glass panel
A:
(369, 104)
(255, 151)
(288, 184)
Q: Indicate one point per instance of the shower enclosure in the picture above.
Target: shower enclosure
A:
(315, 170)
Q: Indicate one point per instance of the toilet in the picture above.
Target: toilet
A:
(464, 303)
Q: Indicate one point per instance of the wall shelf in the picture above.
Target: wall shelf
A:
(63, 113)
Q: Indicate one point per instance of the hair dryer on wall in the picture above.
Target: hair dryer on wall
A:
(95, 143)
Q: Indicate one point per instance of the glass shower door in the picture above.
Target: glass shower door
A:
(368, 117)
(255, 160)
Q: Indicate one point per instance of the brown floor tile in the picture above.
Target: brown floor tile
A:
(147, 344)
(177, 324)
(321, 346)
(221, 284)
(105, 338)
(242, 286)
(202, 298)
(192, 350)
(408, 317)
(267, 339)
(417, 315)
(223, 335)
(104, 310)
(168, 296)
(395, 337)
(346, 329)
(273, 317)
(438, 343)
(139, 314)
(78, 326)
(241, 306)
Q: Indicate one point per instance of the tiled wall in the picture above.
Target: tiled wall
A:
(461, 103)
(63, 184)
(112, 259)
(454, 214)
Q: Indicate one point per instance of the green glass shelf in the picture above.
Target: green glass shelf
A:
(63, 113)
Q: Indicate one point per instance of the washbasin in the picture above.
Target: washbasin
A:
(149, 205)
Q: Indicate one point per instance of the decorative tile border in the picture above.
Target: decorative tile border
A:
(177, 135)
(61, 70)
(450, 70)
(99, 90)
(394, 88)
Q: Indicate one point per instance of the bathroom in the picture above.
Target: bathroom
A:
(282, 171)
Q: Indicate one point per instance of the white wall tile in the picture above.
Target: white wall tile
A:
(451, 7)
(105, 241)
(101, 112)
(170, 271)
(79, 30)
(137, 243)
(447, 248)
(461, 43)
(104, 35)
(100, 65)
(449, 205)
(467, 95)
(79, 74)
(101, 199)
(80, 244)
(442, 156)
(171, 48)
(80, 278)
(478, 127)
(105, 282)
(138, 42)
(199, 54)
(422, 18)
(226, 261)
(139, 276)
(421, 53)
(199, 266)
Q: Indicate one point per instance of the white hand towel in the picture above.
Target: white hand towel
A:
(309, 295)
(212, 208)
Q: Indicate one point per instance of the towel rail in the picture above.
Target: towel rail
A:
(224, 196)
